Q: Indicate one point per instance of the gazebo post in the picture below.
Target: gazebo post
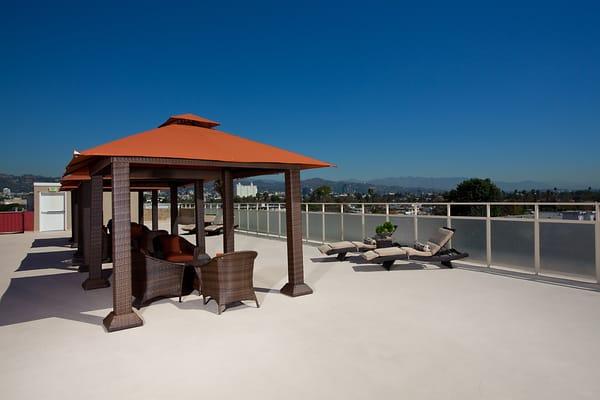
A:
(174, 210)
(227, 205)
(293, 213)
(122, 316)
(199, 214)
(73, 218)
(76, 226)
(84, 214)
(141, 207)
(155, 210)
(95, 280)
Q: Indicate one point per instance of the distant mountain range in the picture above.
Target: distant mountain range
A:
(23, 183)
(406, 184)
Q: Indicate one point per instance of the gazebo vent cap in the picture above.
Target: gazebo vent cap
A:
(189, 119)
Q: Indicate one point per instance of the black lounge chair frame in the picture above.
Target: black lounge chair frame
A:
(444, 257)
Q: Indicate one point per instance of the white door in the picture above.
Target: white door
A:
(52, 211)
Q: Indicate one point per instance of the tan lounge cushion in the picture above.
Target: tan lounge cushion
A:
(384, 252)
(370, 255)
(390, 252)
(337, 247)
(363, 246)
(414, 252)
(213, 228)
(439, 239)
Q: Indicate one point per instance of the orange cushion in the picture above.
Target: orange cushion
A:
(136, 230)
(170, 245)
(179, 258)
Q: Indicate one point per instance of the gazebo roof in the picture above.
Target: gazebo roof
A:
(190, 137)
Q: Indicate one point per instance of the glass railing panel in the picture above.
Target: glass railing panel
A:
(512, 244)
(567, 249)
(304, 229)
(315, 226)
(405, 233)
(352, 227)
(236, 217)
(371, 222)
(262, 221)
(429, 226)
(470, 238)
(273, 222)
(333, 231)
(252, 220)
(283, 226)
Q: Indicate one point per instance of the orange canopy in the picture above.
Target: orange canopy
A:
(191, 137)
(187, 136)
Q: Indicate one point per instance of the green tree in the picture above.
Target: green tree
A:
(322, 194)
(474, 190)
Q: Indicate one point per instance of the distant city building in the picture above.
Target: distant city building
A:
(579, 215)
(246, 190)
(6, 191)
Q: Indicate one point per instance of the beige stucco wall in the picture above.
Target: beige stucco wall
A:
(107, 207)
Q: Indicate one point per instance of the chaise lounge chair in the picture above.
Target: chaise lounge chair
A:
(341, 248)
(434, 251)
(216, 228)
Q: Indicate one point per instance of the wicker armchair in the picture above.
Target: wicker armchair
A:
(154, 277)
(228, 278)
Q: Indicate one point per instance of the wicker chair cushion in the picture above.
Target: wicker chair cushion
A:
(170, 245)
(136, 231)
(180, 258)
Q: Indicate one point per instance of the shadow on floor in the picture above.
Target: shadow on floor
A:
(51, 242)
(45, 260)
(194, 302)
(52, 296)
(325, 259)
(395, 267)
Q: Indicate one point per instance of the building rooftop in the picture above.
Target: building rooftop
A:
(414, 332)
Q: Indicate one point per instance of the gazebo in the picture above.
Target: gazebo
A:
(184, 150)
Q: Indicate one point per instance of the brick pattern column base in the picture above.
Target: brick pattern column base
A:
(114, 322)
(296, 290)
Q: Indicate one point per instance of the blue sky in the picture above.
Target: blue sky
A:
(507, 90)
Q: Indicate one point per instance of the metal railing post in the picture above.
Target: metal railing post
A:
(416, 221)
(488, 235)
(387, 212)
(597, 242)
(362, 220)
(307, 230)
(279, 219)
(248, 217)
(449, 221)
(323, 222)
(257, 220)
(342, 221)
(536, 239)
(268, 226)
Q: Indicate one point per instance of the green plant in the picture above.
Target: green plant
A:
(385, 229)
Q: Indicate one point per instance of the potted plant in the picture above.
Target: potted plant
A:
(385, 230)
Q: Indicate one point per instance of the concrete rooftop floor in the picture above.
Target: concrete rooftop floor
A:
(411, 333)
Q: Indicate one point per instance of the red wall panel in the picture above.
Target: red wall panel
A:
(28, 220)
(11, 222)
